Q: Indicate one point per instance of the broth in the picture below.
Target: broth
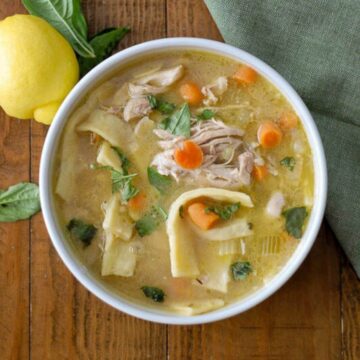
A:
(84, 192)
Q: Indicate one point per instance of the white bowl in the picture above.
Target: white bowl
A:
(99, 74)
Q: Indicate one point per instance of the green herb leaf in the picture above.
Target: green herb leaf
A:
(19, 202)
(125, 162)
(152, 101)
(163, 106)
(207, 114)
(82, 231)
(153, 293)
(179, 122)
(129, 191)
(103, 44)
(225, 212)
(181, 211)
(150, 221)
(120, 181)
(240, 270)
(161, 182)
(295, 218)
(288, 162)
(67, 17)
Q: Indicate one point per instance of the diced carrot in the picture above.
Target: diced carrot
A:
(190, 156)
(245, 75)
(269, 135)
(137, 203)
(191, 93)
(200, 217)
(288, 121)
(260, 172)
(179, 288)
(94, 138)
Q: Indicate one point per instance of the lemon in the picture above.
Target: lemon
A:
(37, 68)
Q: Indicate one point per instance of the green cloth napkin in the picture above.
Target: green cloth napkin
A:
(315, 45)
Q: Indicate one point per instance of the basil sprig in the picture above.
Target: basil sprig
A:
(19, 202)
(67, 17)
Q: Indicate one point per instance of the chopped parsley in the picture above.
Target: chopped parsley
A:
(206, 114)
(82, 231)
(295, 218)
(225, 212)
(240, 270)
(163, 106)
(288, 162)
(153, 293)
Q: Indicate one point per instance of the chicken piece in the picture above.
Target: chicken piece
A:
(213, 91)
(226, 162)
(136, 90)
(246, 164)
(162, 78)
(275, 204)
(136, 108)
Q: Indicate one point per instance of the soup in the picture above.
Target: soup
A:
(184, 182)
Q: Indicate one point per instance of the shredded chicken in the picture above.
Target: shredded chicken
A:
(227, 161)
(136, 108)
(275, 204)
(213, 91)
(152, 84)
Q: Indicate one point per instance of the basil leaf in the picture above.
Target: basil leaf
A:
(288, 162)
(150, 221)
(161, 182)
(153, 293)
(179, 122)
(19, 202)
(163, 106)
(240, 270)
(295, 219)
(103, 44)
(82, 231)
(224, 212)
(66, 17)
(207, 114)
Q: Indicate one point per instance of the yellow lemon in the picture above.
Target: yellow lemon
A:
(37, 68)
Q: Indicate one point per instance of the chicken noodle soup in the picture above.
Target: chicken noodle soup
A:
(185, 181)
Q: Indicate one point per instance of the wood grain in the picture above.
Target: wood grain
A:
(14, 237)
(67, 321)
(350, 295)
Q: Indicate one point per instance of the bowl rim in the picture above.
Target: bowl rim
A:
(81, 90)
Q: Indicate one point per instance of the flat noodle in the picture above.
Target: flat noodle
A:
(183, 257)
(70, 144)
(109, 127)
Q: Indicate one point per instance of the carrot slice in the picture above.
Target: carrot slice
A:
(245, 75)
(288, 121)
(204, 220)
(191, 93)
(94, 138)
(190, 156)
(269, 135)
(260, 172)
(137, 203)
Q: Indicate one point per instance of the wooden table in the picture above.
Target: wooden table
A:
(46, 314)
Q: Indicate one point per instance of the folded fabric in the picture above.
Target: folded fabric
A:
(315, 45)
